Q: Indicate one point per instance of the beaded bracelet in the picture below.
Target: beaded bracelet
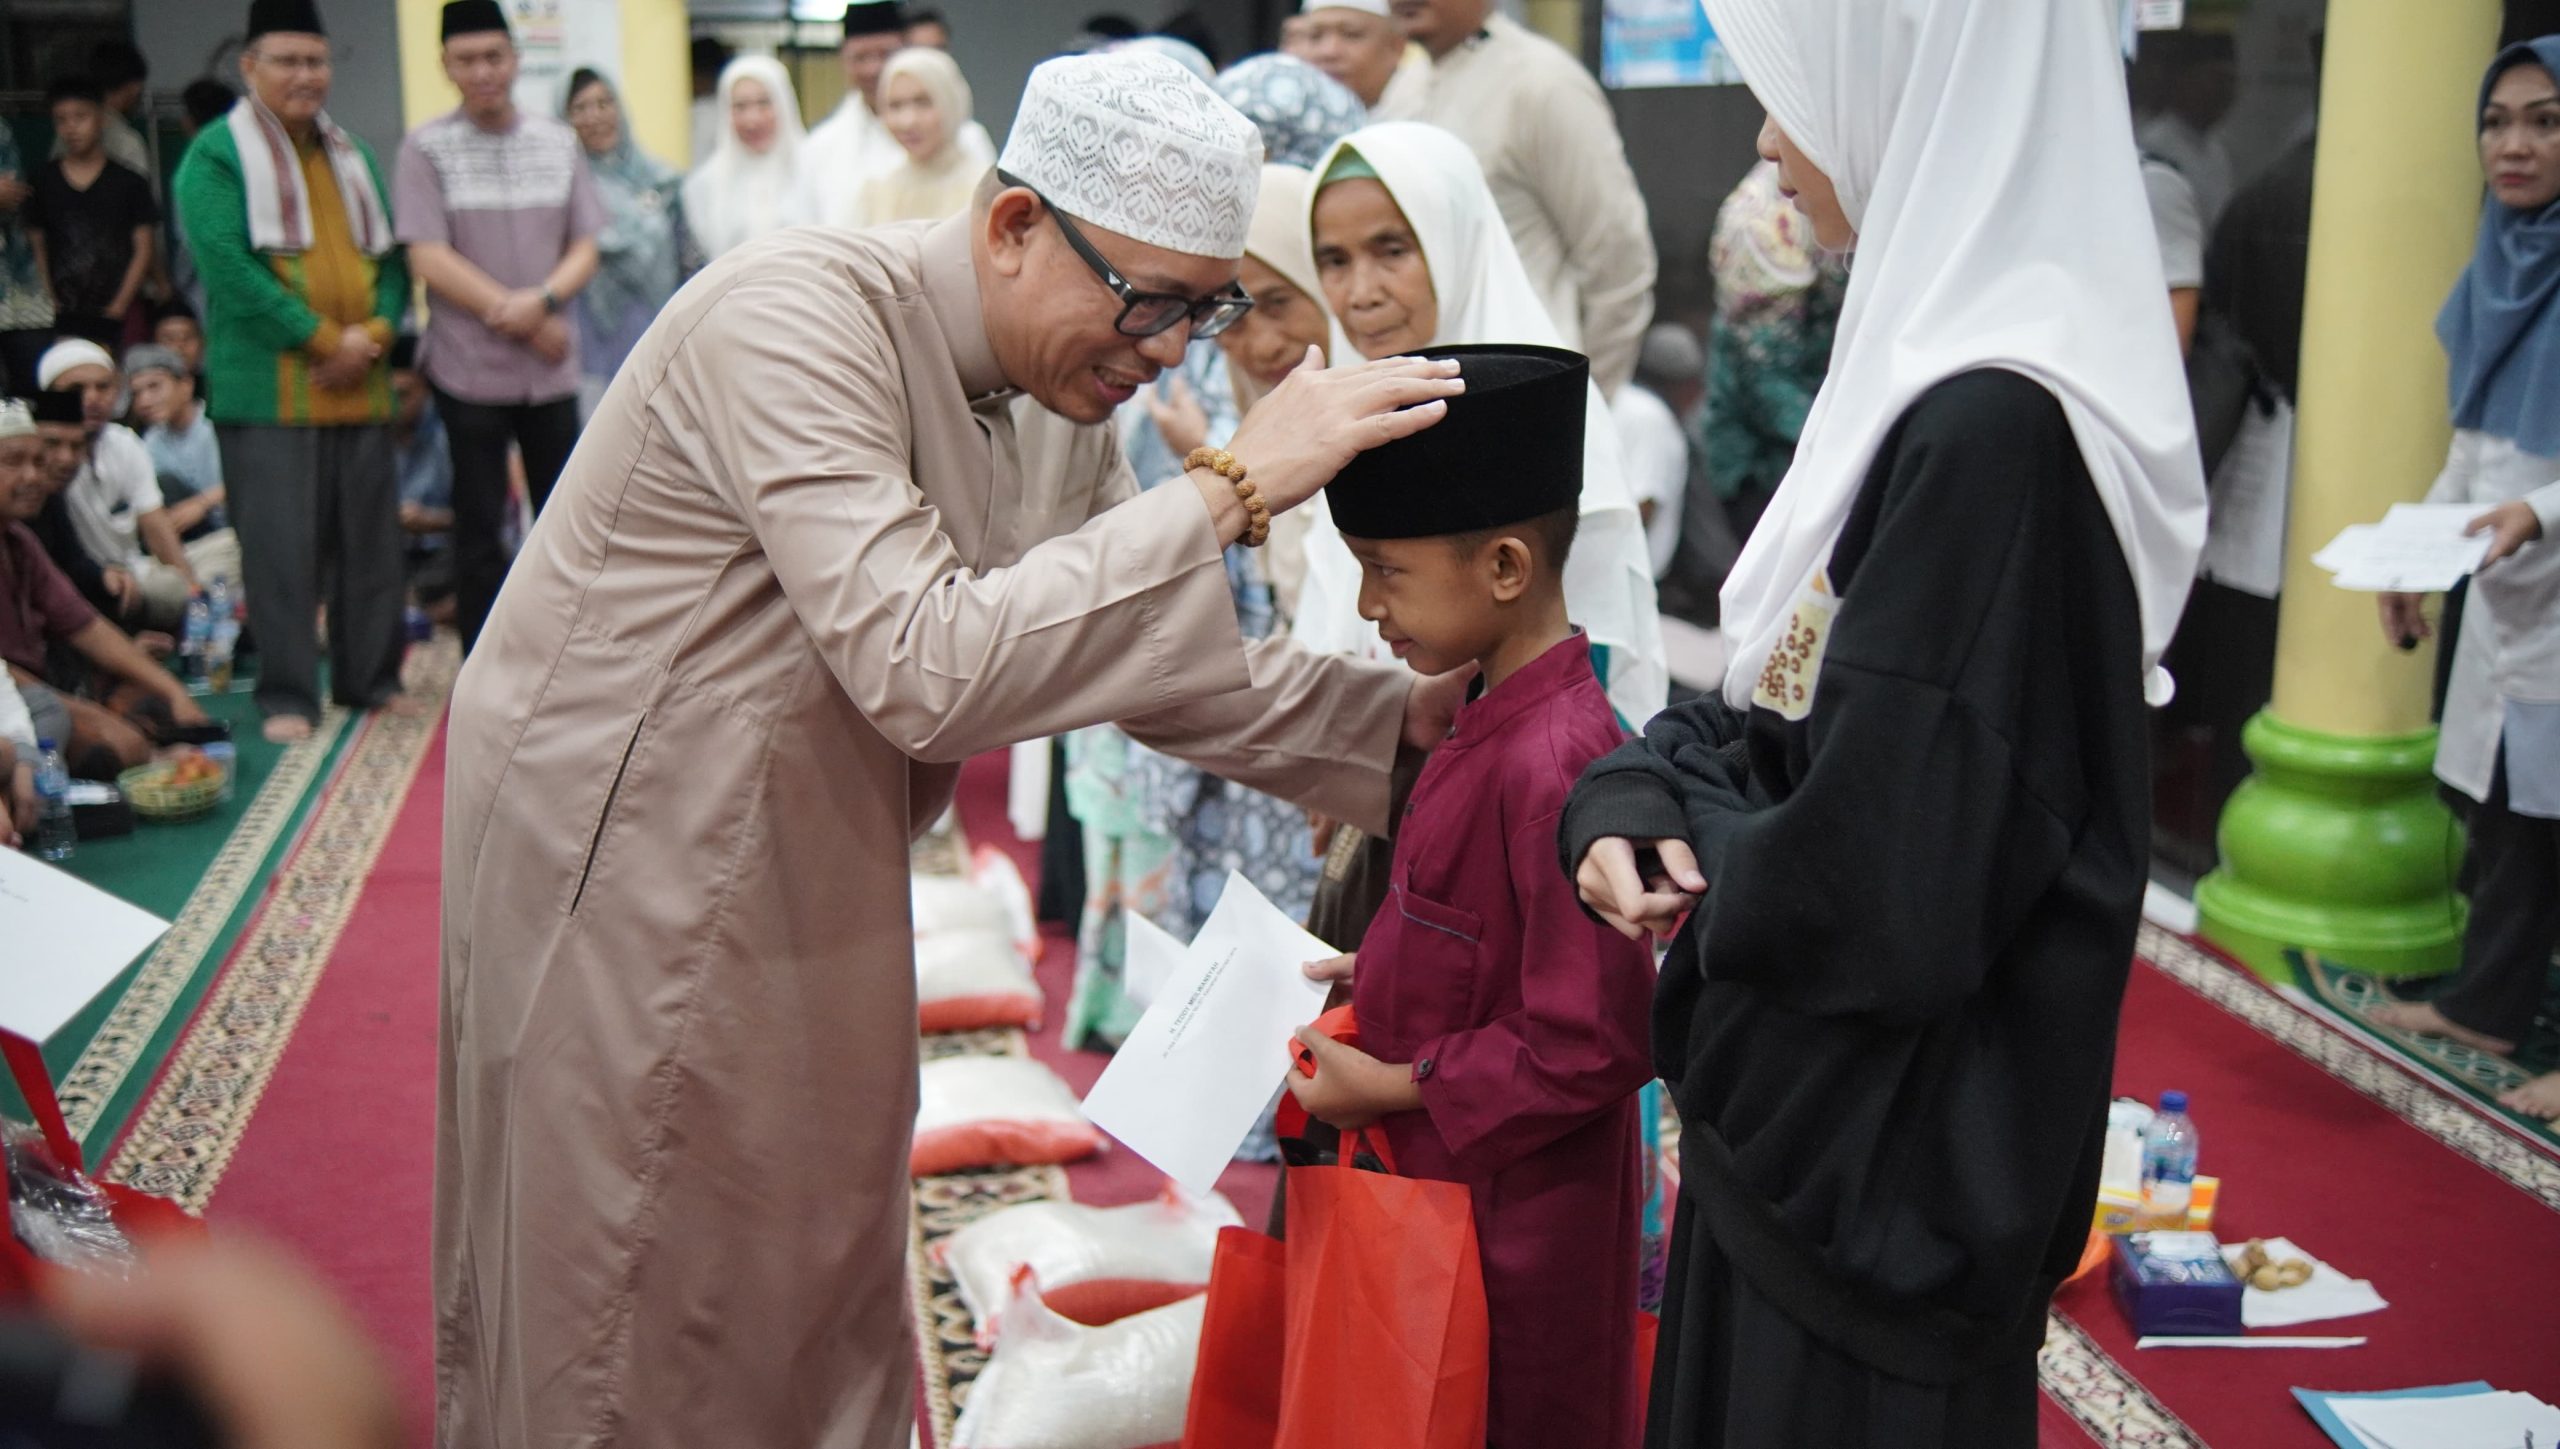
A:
(1225, 465)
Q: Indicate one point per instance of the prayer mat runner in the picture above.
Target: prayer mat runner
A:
(207, 877)
(2348, 998)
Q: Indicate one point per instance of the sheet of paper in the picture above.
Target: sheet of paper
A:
(2329, 1294)
(2323, 1407)
(2160, 14)
(2244, 535)
(1203, 1061)
(2417, 548)
(1149, 957)
(67, 940)
(2475, 1421)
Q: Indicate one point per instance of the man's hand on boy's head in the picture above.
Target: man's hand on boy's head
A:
(1351, 1089)
(1319, 418)
(1621, 893)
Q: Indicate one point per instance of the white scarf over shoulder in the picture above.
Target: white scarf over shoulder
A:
(1984, 151)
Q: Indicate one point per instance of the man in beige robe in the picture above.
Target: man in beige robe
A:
(1550, 148)
(841, 522)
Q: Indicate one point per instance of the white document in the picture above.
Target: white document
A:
(66, 940)
(2244, 534)
(2329, 1294)
(2417, 548)
(2471, 1421)
(1195, 1074)
(1149, 957)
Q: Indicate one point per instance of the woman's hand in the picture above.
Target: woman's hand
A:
(2404, 619)
(1178, 416)
(1431, 707)
(2511, 525)
(1632, 903)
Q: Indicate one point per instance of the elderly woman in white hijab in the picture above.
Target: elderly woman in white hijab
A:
(925, 103)
(1160, 836)
(1909, 835)
(1412, 253)
(750, 186)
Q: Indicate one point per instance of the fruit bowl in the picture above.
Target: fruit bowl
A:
(180, 788)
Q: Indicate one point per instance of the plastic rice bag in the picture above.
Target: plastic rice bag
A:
(1095, 1264)
(994, 1112)
(1057, 1384)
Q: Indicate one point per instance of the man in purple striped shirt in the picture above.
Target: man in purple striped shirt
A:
(500, 216)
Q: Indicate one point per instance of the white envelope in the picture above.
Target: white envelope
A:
(1149, 957)
(1195, 1074)
(67, 940)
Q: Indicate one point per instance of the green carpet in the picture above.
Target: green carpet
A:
(207, 877)
(2353, 996)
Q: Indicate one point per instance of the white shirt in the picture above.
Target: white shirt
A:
(1657, 454)
(16, 725)
(2198, 157)
(115, 487)
(2178, 221)
(2506, 668)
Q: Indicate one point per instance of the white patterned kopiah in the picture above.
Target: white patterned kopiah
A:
(1134, 143)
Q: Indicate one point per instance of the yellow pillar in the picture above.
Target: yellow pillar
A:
(655, 79)
(2337, 845)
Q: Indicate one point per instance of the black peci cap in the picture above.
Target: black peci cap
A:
(1510, 450)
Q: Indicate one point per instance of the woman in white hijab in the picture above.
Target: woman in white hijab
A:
(1161, 836)
(925, 103)
(1910, 836)
(750, 186)
(1412, 253)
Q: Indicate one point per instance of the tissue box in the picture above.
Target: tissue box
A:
(2176, 1283)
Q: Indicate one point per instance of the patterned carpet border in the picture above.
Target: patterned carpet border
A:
(2109, 1402)
(2398, 1087)
(126, 1035)
(2350, 996)
(185, 1136)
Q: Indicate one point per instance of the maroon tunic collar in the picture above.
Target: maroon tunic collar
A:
(1487, 711)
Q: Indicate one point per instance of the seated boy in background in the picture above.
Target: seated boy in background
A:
(180, 439)
(1503, 1031)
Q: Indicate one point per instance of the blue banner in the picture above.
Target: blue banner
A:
(1661, 43)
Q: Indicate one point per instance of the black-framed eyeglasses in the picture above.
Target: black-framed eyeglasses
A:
(1144, 314)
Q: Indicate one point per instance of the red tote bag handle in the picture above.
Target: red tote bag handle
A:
(35, 1083)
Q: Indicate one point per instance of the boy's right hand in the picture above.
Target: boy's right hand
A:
(1631, 902)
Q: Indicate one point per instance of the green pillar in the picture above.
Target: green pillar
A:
(2338, 843)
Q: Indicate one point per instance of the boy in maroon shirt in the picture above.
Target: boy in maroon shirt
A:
(1503, 1032)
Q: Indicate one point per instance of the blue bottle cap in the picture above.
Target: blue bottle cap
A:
(2173, 1101)
(43, 745)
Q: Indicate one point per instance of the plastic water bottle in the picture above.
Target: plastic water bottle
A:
(225, 616)
(55, 834)
(196, 635)
(2169, 1163)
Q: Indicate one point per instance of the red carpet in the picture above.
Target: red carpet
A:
(2469, 1262)
(1118, 1176)
(339, 1160)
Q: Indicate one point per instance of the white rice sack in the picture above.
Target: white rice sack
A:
(1094, 1264)
(947, 904)
(1055, 1384)
(996, 1112)
(966, 980)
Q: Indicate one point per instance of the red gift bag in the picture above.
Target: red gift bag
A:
(1387, 1343)
(1235, 1387)
(139, 1215)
